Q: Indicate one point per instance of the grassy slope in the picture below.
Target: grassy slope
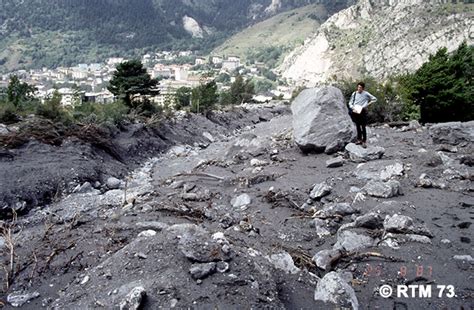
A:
(287, 29)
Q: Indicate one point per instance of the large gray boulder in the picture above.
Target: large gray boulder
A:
(320, 120)
(452, 132)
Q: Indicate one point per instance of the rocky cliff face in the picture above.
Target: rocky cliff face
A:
(379, 38)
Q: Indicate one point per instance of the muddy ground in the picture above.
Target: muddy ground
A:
(174, 229)
(37, 173)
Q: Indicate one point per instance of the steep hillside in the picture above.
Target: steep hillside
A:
(379, 39)
(286, 30)
(50, 33)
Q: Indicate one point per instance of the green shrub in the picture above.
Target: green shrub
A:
(51, 109)
(100, 113)
(8, 114)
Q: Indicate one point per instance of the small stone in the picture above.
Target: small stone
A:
(398, 224)
(141, 255)
(283, 261)
(324, 259)
(84, 188)
(342, 208)
(208, 136)
(241, 201)
(445, 241)
(335, 162)
(190, 196)
(254, 162)
(134, 299)
(370, 220)
(173, 303)
(113, 183)
(222, 267)
(424, 181)
(147, 233)
(320, 190)
(351, 240)
(85, 280)
(201, 271)
(359, 154)
(380, 189)
(321, 227)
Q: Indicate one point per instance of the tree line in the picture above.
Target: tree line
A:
(441, 90)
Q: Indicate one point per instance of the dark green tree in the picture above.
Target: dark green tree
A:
(225, 98)
(131, 81)
(204, 97)
(18, 93)
(241, 90)
(182, 97)
(443, 87)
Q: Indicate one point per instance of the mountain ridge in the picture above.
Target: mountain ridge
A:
(35, 33)
(379, 39)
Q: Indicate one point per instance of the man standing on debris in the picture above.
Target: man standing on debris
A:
(358, 104)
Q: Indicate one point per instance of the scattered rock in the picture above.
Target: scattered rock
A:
(113, 183)
(198, 246)
(394, 240)
(404, 224)
(85, 280)
(324, 259)
(208, 136)
(321, 227)
(359, 154)
(84, 188)
(241, 201)
(320, 120)
(424, 181)
(352, 240)
(430, 159)
(398, 224)
(257, 162)
(334, 288)
(370, 220)
(17, 299)
(283, 261)
(379, 170)
(147, 233)
(134, 299)
(452, 133)
(341, 208)
(392, 170)
(222, 267)
(190, 197)
(320, 190)
(383, 189)
(447, 148)
(201, 271)
(335, 162)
